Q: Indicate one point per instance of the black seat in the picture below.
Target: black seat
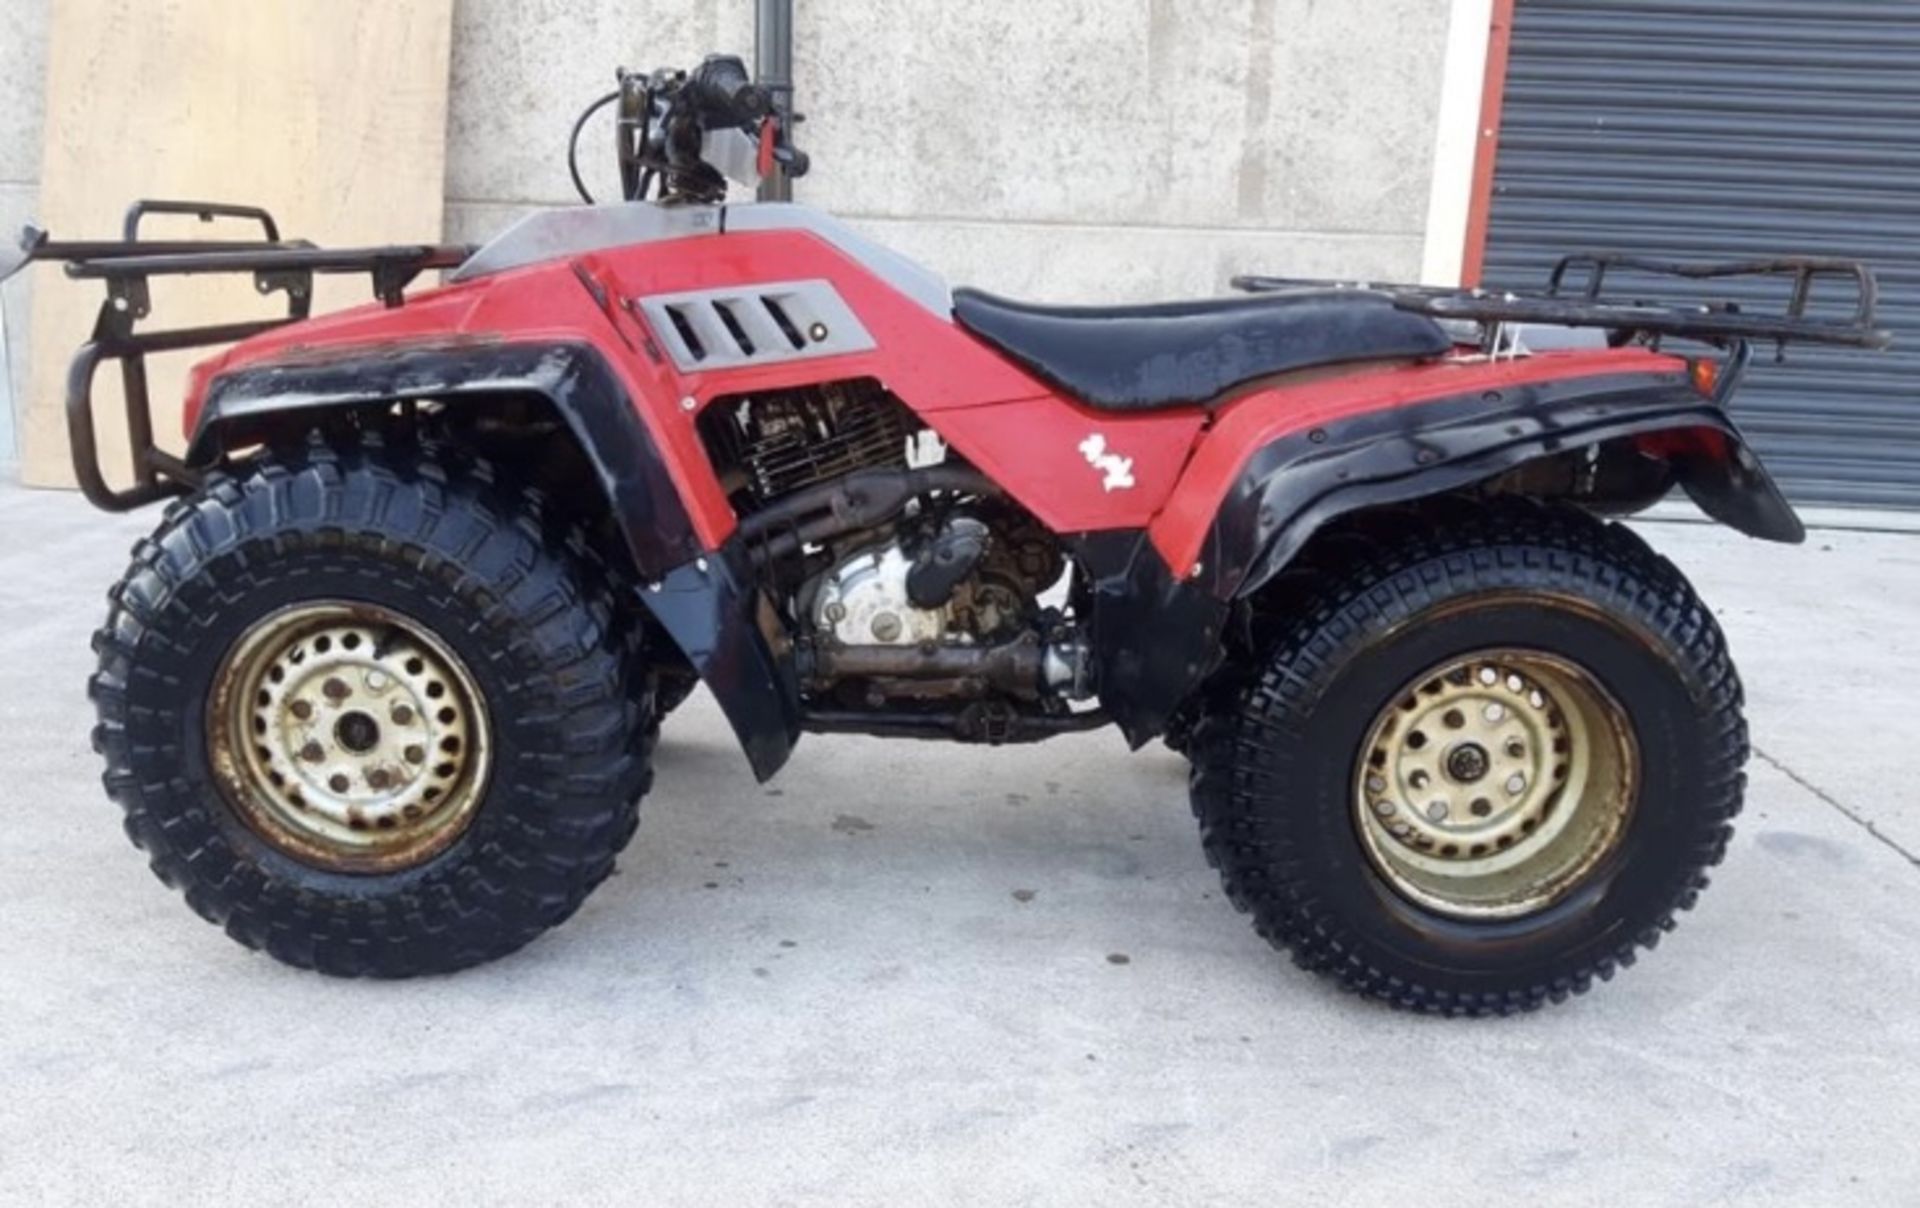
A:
(1171, 354)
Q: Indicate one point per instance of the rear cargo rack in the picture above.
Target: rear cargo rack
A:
(1576, 296)
(126, 265)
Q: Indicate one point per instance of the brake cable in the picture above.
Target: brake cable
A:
(573, 143)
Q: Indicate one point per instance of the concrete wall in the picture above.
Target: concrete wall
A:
(23, 69)
(1072, 150)
(1075, 150)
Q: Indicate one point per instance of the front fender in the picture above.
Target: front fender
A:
(702, 600)
(1292, 487)
(575, 378)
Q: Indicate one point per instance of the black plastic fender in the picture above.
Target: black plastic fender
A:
(1295, 485)
(1156, 638)
(574, 377)
(729, 631)
(703, 600)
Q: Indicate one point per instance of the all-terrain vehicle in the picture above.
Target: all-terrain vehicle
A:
(379, 693)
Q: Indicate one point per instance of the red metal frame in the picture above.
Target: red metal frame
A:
(1020, 432)
(1493, 92)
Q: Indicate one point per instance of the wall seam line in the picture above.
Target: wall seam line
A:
(1040, 223)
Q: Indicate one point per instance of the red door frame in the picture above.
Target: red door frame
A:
(1493, 92)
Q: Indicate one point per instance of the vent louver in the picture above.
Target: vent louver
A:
(761, 324)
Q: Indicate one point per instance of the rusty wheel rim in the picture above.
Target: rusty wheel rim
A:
(1495, 784)
(348, 736)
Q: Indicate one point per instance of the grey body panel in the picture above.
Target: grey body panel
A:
(1690, 130)
(575, 230)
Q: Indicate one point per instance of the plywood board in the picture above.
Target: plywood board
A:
(332, 115)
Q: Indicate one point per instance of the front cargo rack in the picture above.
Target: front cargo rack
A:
(1576, 296)
(127, 264)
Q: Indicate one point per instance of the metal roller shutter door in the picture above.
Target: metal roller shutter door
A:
(1727, 130)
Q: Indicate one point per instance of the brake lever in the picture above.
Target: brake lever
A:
(777, 149)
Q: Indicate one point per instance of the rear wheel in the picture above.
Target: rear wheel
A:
(1479, 765)
(1491, 784)
(371, 714)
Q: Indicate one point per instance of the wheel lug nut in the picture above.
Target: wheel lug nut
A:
(337, 782)
(336, 688)
(301, 709)
(378, 778)
(376, 681)
(1516, 748)
(1437, 812)
(1516, 783)
(313, 752)
(1418, 780)
(1494, 712)
(416, 754)
(402, 715)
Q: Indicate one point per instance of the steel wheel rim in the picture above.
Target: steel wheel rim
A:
(1494, 784)
(349, 736)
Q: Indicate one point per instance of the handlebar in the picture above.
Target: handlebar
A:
(722, 96)
(689, 131)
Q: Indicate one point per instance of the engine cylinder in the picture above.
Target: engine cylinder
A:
(767, 446)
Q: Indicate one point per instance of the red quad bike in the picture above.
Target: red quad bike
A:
(379, 693)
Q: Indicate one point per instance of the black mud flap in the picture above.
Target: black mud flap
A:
(1155, 637)
(728, 630)
(1736, 489)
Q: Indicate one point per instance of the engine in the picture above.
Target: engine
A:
(944, 607)
(969, 574)
(767, 446)
(907, 579)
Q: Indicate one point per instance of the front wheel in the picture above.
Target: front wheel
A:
(1479, 765)
(370, 713)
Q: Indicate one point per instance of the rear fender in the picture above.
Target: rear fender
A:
(1157, 635)
(1292, 487)
(704, 601)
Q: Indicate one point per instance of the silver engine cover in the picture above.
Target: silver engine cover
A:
(863, 602)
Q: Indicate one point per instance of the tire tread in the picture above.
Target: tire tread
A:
(1387, 569)
(538, 604)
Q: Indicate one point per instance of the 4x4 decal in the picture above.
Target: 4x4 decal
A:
(1118, 469)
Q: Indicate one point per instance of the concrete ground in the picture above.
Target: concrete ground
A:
(893, 977)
